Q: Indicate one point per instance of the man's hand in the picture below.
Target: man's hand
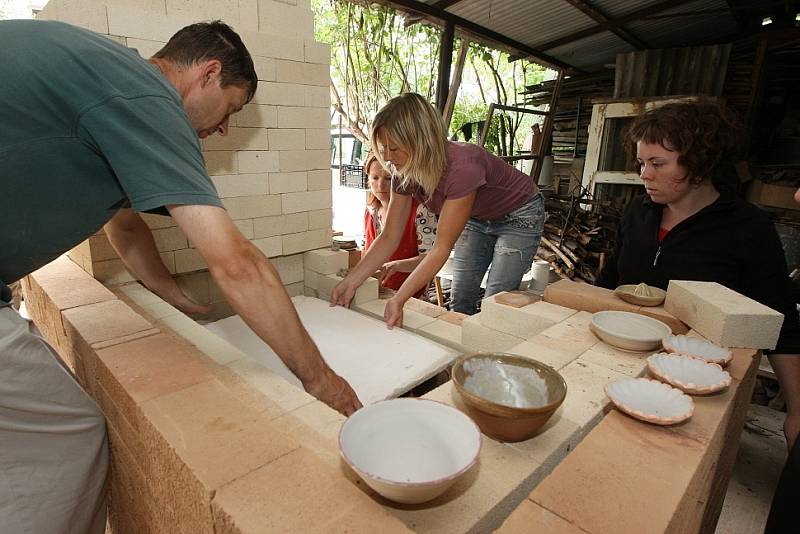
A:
(334, 391)
(179, 299)
(393, 313)
(343, 293)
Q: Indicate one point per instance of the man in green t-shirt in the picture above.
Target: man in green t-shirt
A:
(92, 134)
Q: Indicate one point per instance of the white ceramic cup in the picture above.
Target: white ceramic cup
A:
(541, 275)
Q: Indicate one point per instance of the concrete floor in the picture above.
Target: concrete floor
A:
(762, 452)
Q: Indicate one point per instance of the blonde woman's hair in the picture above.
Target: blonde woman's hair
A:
(412, 122)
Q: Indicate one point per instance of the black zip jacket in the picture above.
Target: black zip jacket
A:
(731, 242)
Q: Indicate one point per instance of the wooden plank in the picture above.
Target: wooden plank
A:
(617, 177)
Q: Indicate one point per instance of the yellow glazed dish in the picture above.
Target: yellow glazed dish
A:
(641, 294)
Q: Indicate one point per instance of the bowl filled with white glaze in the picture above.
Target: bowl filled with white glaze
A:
(509, 396)
(410, 450)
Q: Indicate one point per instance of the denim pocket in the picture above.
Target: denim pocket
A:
(529, 215)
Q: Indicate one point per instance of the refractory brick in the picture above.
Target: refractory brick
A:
(723, 315)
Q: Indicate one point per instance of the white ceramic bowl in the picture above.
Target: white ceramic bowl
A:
(409, 450)
(629, 331)
(688, 374)
(698, 348)
(650, 400)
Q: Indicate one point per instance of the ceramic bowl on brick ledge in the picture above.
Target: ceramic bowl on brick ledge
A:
(698, 348)
(690, 375)
(641, 294)
(650, 400)
(509, 396)
(409, 450)
(629, 331)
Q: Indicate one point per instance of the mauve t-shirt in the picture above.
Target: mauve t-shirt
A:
(500, 187)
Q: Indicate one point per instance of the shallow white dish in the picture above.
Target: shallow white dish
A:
(650, 400)
(698, 348)
(409, 450)
(629, 331)
(688, 374)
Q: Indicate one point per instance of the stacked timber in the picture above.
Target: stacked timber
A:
(578, 236)
(573, 110)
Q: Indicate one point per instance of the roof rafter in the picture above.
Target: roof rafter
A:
(444, 4)
(600, 17)
(525, 50)
(614, 23)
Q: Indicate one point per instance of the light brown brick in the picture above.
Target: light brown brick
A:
(311, 497)
(722, 315)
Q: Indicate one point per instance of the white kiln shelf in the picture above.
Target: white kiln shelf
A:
(378, 363)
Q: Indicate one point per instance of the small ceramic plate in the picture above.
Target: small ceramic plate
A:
(650, 400)
(697, 348)
(629, 331)
(688, 374)
(641, 294)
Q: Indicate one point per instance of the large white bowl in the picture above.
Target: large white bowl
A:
(629, 331)
(409, 450)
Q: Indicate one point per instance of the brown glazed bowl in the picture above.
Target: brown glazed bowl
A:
(507, 423)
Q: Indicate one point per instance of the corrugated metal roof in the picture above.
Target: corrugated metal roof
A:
(533, 23)
(536, 21)
(680, 31)
(593, 52)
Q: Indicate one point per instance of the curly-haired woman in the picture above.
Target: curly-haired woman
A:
(691, 225)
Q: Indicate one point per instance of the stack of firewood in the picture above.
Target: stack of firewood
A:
(578, 236)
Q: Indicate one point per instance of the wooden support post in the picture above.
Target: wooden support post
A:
(445, 62)
(547, 131)
(447, 114)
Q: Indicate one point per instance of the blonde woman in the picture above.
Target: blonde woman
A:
(491, 212)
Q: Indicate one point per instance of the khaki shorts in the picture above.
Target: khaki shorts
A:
(53, 445)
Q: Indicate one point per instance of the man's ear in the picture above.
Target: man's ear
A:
(210, 71)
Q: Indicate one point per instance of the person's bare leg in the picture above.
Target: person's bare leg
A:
(787, 369)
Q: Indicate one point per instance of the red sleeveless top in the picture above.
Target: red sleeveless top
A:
(406, 249)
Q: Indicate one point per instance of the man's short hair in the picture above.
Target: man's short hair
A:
(213, 40)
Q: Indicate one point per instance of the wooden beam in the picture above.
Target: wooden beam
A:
(600, 17)
(445, 62)
(481, 31)
(444, 4)
(447, 114)
(617, 22)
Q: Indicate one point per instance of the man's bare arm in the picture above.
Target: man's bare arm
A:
(254, 290)
(132, 239)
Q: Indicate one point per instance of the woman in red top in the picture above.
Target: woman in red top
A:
(408, 253)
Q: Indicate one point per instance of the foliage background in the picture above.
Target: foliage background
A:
(377, 53)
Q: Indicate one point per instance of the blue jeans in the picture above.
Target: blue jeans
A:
(508, 244)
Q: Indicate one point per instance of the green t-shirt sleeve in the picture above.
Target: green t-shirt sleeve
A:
(152, 149)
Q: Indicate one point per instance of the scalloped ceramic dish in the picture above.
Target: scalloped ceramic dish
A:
(688, 374)
(697, 348)
(650, 400)
(409, 450)
(641, 294)
(629, 331)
